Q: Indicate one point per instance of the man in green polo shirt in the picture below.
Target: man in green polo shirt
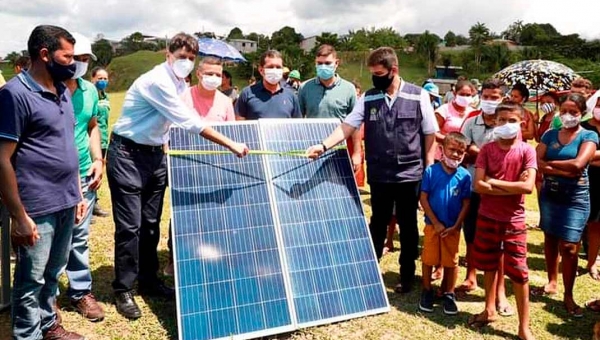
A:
(91, 162)
(329, 96)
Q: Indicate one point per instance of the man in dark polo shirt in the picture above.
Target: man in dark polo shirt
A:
(268, 99)
(39, 179)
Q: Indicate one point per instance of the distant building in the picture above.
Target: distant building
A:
(244, 45)
(308, 44)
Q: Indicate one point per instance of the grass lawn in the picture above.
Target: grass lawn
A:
(549, 319)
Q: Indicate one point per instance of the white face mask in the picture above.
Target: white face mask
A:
(273, 75)
(182, 67)
(597, 113)
(463, 101)
(211, 83)
(489, 106)
(507, 131)
(451, 163)
(81, 69)
(569, 121)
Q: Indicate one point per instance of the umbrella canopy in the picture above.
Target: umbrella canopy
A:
(538, 75)
(220, 49)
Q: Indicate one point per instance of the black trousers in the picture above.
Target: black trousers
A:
(405, 196)
(137, 177)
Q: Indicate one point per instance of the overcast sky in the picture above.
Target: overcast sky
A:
(116, 20)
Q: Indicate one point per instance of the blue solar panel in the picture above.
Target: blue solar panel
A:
(330, 258)
(268, 243)
(228, 269)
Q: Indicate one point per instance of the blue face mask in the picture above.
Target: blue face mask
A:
(101, 84)
(325, 72)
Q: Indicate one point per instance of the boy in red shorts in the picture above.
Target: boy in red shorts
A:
(445, 196)
(504, 172)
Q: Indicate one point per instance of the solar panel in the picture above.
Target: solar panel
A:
(228, 268)
(268, 244)
(333, 269)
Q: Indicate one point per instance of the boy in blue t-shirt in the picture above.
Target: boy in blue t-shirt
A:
(445, 196)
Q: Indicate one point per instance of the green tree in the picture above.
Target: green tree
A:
(513, 31)
(535, 35)
(412, 38)
(450, 39)
(358, 40)
(262, 40)
(427, 48)
(103, 51)
(385, 36)
(496, 57)
(461, 40)
(479, 34)
(329, 39)
(235, 33)
(286, 39)
(13, 56)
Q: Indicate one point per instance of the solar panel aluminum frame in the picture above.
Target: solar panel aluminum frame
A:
(270, 175)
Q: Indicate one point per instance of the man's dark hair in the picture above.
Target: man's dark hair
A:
(522, 89)
(492, 84)
(183, 40)
(47, 36)
(23, 62)
(384, 56)
(326, 50)
(227, 75)
(511, 106)
(97, 69)
(269, 54)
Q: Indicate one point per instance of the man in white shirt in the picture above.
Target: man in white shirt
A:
(137, 169)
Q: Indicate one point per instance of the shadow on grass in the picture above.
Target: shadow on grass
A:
(5, 328)
(570, 327)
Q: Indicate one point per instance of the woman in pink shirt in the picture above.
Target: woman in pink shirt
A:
(210, 103)
(450, 116)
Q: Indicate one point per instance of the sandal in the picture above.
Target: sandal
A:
(593, 305)
(505, 311)
(541, 291)
(464, 288)
(576, 312)
(481, 320)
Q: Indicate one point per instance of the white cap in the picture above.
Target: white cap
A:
(82, 45)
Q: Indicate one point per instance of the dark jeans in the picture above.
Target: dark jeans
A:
(137, 177)
(405, 196)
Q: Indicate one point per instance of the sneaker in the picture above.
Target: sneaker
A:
(426, 302)
(449, 303)
(89, 308)
(57, 332)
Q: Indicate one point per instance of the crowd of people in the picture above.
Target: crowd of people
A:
(464, 160)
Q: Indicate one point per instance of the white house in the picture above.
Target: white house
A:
(307, 44)
(244, 45)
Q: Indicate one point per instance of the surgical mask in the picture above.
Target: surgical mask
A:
(60, 72)
(569, 121)
(81, 69)
(596, 113)
(101, 84)
(182, 67)
(211, 82)
(463, 101)
(325, 72)
(507, 131)
(489, 106)
(548, 107)
(451, 163)
(273, 75)
(382, 82)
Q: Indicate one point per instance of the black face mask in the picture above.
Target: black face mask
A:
(382, 82)
(60, 72)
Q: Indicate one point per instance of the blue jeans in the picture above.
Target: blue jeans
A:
(36, 275)
(78, 266)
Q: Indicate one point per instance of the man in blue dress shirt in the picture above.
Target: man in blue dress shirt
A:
(137, 169)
